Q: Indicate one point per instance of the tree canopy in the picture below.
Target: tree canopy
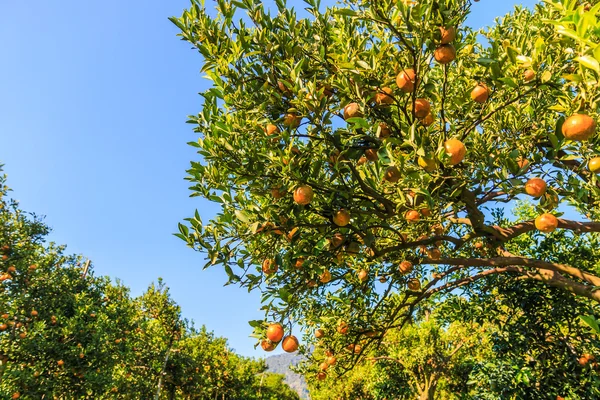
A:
(360, 155)
(66, 333)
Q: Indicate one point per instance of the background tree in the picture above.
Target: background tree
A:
(356, 152)
(65, 333)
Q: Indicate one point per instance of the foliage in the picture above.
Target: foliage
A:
(330, 173)
(66, 333)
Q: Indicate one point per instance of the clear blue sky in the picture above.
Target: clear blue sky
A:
(93, 102)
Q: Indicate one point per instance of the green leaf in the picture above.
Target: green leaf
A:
(591, 321)
(242, 216)
(589, 62)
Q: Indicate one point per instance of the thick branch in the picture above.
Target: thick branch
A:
(506, 261)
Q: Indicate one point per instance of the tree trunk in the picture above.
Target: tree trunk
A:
(428, 393)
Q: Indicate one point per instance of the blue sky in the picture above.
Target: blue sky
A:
(93, 102)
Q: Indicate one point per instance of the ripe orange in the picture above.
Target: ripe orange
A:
(546, 223)
(303, 195)
(406, 80)
(269, 266)
(412, 216)
(321, 375)
(319, 333)
(337, 240)
(325, 277)
(292, 121)
(324, 365)
(422, 108)
(3, 327)
(405, 267)
(283, 87)
(523, 163)
(447, 34)
(480, 93)
(383, 97)
(341, 217)
(392, 174)
(535, 187)
(363, 275)
(275, 332)
(579, 127)
(456, 150)
(384, 131)
(331, 360)
(342, 328)
(352, 110)
(11, 269)
(529, 75)
(445, 54)
(414, 284)
(434, 254)
(34, 313)
(371, 154)
(428, 120)
(16, 395)
(60, 363)
(267, 345)
(4, 316)
(272, 130)
(290, 344)
(594, 165)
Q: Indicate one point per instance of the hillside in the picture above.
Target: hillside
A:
(280, 364)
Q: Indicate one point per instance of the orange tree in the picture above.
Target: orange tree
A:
(65, 333)
(356, 152)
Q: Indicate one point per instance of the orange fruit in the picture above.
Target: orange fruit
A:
(392, 174)
(412, 216)
(422, 108)
(342, 328)
(428, 120)
(321, 375)
(331, 360)
(371, 154)
(325, 277)
(594, 165)
(337, 240)
(447, 34)
(341, 217)
(434, 254)
(60, 363)
(290, 344)
(324, 366)
(275, 332)
(384, 131)
(319, 333)
(303, 195)
(529, 75)
(272, 130)
(292, 121)
(445, 54)
(456, 150)
(34, 313)
(16, 395)
(579, 127)
(383, 97)
(480, 93)
(523, 163)
(406, 80)
(405, 267)
(535, 187)
(352, 110)
(414, 284)
(267, 345)
(269, 266)
(546, 223)
(363, 275)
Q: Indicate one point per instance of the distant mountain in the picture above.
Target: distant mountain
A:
(281, 363)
